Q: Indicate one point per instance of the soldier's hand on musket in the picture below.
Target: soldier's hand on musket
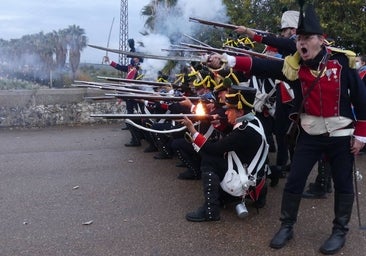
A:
(244, 30)
(186, 102)
(215, 61)
(241, 30)
(106, 60)
(188, 123)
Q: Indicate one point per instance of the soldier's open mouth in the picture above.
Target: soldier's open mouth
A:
(304, 50)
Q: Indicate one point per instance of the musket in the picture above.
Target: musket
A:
(113, 88)
(116, 84)
(235, 51)
(211, 49)
(100, 98)
(223, 25)
(143, 82)
(158, 116)
(151, 97)
(257, 54)
(144, 55)
(184, 50)
(196, 40)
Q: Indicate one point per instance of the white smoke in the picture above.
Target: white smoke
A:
(172, 24)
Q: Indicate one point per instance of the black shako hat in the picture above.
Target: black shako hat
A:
(240, 97)
(309, 23)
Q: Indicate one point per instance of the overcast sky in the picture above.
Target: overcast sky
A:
(22, 17)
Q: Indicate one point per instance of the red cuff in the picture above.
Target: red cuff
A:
(360, 129)
(113, 64)
(200, 140)
(164, 106)
(243, 63)
(258, 38)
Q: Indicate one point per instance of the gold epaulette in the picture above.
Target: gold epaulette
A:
(350, 55)
(291, 66)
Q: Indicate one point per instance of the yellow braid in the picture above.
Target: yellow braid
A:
(232, 74)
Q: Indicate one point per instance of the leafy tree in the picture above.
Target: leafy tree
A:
(342, 20)
(345, 22)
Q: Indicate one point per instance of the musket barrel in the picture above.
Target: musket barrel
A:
(150, 97)
(100, 98)
(132, 81)
(112, 88)
(144, 55)
(212, 49)
(233, 50)
(257, 54)
(223, 25)
(153, 116)
(213, 23)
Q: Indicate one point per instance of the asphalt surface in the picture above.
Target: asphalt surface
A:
(80, 191)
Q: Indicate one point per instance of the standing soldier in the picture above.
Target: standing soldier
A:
(331, 87)
(133, 71)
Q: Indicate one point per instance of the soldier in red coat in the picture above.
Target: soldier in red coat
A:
(330, 86)
(133, 71)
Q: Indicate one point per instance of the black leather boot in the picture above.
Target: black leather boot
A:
(210, 211)
(275, 175)
(135, 137)
(150, 148)
(342, 209)
(289, 208)
(322, 184)
(163, 145)
(193, 169)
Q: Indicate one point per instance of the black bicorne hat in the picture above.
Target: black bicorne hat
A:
(309, 23)
(240, 97)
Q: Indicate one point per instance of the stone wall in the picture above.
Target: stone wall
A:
(50, 107)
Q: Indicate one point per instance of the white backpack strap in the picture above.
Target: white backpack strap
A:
(262, 153)
(243, 172)
(230, 160)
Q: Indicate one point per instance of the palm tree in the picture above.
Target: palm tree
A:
(60, 38)
(77, 41)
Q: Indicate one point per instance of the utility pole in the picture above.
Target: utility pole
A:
(123, 32)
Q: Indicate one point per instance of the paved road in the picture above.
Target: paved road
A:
(54, 181)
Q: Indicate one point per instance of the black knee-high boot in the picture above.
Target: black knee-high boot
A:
(210, 211)
(193, 171)
(342, 209)
(289, 208)
(323, 182)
